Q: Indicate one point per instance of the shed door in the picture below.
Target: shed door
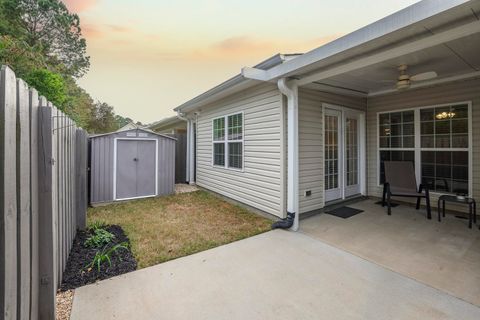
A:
(136, 169)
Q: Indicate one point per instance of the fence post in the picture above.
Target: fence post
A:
(47, 266)
(23, 199)
(8, 198)
(35, 283)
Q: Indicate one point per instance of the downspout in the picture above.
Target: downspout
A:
(290, 90)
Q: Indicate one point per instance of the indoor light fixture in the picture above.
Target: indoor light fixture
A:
(445, 115)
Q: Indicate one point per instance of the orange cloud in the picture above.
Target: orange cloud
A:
(79, 5)
(240, 47)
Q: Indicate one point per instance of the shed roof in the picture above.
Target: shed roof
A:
(137, 129)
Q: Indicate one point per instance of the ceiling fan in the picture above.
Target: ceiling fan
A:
(404, 80)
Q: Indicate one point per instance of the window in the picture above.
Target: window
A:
(444, 148)
(228, 141)
(396, 138)
(441, 148)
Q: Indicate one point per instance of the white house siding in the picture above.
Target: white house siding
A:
(261, 184)
(311, 143)
(468, 90)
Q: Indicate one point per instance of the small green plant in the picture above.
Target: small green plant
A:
(105, 255)
(95, 225)
(99, 238)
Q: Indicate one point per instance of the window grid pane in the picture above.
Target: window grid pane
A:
(219, 154)
(235, 155)
(235, 127)
(219, 129)
(444, 127)
(445, 171)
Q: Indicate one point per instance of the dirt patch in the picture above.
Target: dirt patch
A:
(78, 271)
(185, 188)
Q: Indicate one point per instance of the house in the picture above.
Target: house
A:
(170, 125)
(296, 133)
(176, 127)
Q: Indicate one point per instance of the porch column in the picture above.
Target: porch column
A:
(190, 175)
(290, 90)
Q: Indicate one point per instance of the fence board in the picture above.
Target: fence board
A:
(34, 282)
(47, 268)
(81, 178)
(23, 199)
(8, 200)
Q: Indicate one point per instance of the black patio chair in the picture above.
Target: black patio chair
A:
(400, 182)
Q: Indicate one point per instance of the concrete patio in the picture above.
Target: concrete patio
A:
(276, 275)
(444, 255)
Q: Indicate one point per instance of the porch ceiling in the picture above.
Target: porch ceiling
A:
(449, 60)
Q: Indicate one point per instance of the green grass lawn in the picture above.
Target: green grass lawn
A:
(165, 228)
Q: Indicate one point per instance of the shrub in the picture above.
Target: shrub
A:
(97, 225)
(105, 254)
(99, 238)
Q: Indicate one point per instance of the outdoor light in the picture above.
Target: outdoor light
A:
(445, 115)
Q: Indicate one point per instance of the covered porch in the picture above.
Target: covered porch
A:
(444, 255)
(412, 81)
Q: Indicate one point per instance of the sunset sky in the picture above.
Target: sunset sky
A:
(149, 56)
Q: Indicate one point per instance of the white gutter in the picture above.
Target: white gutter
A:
(290, 90)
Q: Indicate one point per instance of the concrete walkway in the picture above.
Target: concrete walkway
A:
(276, 275)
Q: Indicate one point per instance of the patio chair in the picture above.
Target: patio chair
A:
(400, 181)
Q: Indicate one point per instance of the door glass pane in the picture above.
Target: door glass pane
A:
(351, 151)
(331, 152)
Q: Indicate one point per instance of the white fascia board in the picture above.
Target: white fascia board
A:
(254, 74)
(413, 14)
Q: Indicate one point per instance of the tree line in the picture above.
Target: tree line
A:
(42, 42)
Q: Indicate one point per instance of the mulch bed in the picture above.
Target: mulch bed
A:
(77, 273)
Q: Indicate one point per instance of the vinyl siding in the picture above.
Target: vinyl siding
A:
(468, 90)
(261, 183)
(310, 131)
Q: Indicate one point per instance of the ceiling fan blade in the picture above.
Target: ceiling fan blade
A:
(424, 76)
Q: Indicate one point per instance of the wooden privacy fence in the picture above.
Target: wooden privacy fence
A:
(43, 198)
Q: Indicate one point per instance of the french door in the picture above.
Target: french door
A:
(342, 149)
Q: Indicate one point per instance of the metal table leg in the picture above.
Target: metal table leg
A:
(470, 216)
(438, 210)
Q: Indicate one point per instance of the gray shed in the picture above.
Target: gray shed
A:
(131, 164)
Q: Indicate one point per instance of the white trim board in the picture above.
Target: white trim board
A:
(115, 168)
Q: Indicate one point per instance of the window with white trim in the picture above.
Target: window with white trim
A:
(438, 137)
(228, 141)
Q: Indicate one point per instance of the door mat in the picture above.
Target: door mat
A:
(344, 212)
(392, 204)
